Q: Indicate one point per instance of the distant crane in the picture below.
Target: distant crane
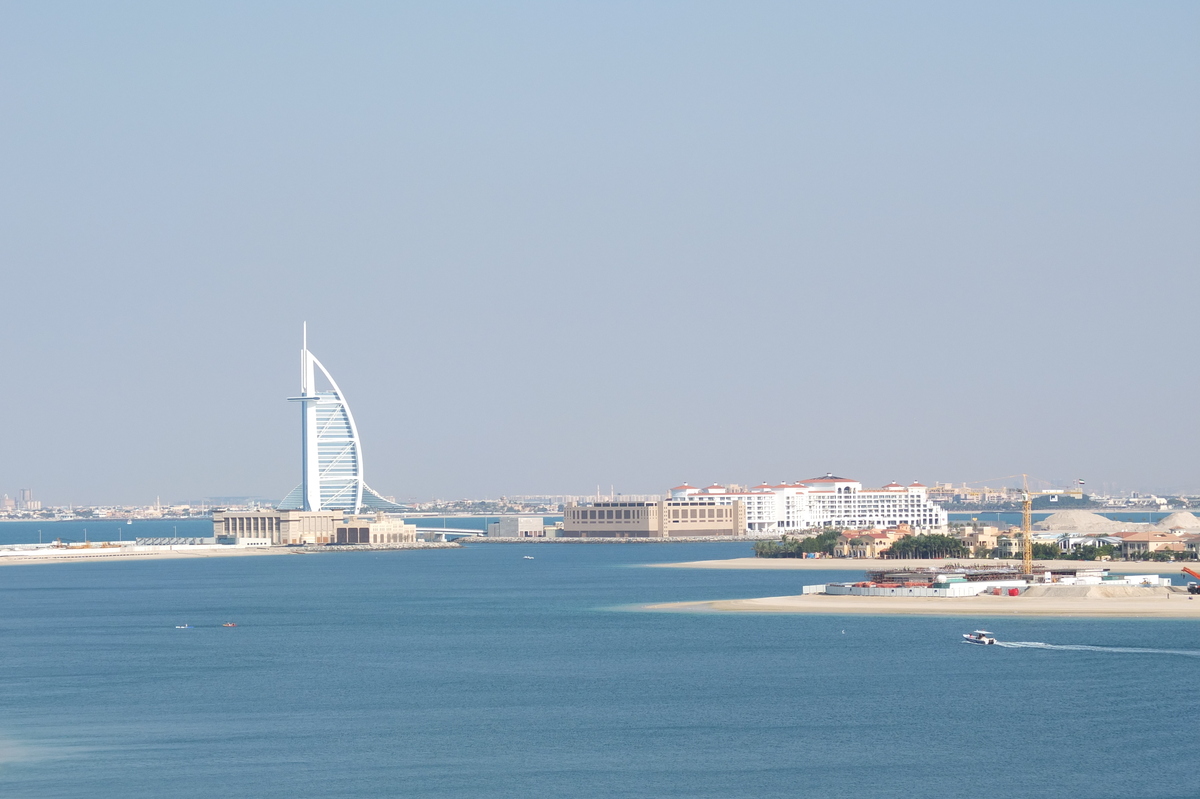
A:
(1027, 517)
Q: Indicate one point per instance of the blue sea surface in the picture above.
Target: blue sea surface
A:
(77, 530)
(477, 673)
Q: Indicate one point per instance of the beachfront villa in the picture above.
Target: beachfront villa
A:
(868, 543)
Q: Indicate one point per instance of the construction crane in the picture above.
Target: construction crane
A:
(1027, 518)
(1193, 588)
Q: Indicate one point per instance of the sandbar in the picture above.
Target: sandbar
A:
(1166, 606)
(127, 553)
(869, 564)
(131, 553)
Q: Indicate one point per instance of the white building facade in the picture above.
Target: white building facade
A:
(827, 501)
(331, 454)
(517, 527)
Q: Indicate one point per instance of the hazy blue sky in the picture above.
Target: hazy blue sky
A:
(545, 246)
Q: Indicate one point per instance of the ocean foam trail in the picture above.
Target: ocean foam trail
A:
(1126, 650)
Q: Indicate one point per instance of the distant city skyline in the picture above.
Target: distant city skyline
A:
(550, 247)
(938, 488)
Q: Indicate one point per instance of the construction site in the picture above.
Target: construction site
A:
(982, 594)
(965, 582)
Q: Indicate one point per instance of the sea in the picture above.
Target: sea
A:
(478, 672)
(80, 530)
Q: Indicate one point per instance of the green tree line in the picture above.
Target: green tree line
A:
(927, 545)
(797, 547)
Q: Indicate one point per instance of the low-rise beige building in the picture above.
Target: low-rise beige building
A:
(1142, 542)
(857, 544)
(981, 539)
(377, 530)
(1010, 544)
(667, 518)
(869, 543)
(278, 527)
(296, 527)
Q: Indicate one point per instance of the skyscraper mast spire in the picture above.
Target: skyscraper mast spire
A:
(331, 454)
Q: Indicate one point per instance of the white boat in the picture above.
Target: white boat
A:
(183, 626)
(979, 637)
(529, 557)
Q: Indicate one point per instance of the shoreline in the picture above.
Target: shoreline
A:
(709, 539)
(1169, 606)
(873, 564)
(41, 556)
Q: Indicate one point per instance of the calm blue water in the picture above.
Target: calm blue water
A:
(117, 529)
(476, 673)
(103, 530)
(1014, 517)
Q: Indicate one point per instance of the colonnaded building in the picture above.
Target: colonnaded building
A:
(765, 510)
(333, 503)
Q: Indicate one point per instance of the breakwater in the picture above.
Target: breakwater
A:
(372, 547)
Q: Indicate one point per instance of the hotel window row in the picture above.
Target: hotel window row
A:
(242, 525)
(606, 515)
(680, 514)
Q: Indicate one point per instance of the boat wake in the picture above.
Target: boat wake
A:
(1120, 650)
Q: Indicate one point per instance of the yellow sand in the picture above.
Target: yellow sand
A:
(83, 554)
(163, 552)
(1158, 605)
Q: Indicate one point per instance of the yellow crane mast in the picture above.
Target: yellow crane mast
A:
(1027, 518)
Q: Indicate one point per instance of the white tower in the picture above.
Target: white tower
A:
(331, 475)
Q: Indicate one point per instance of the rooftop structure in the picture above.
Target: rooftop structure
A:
(331, 459)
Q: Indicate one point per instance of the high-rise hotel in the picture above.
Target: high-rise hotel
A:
(764, 510)
(325, 507)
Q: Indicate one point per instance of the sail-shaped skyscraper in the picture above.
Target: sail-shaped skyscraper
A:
(332, 463)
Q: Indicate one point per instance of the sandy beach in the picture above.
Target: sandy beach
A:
(131, 553)
(1165, 606)
(99, 553)
(866, 564)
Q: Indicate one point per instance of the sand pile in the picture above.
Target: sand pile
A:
(1096, 591)
(1082, 521)
(1187, 521)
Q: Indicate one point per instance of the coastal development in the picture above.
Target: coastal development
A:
(718, 400)
(947, 589)
(765, 510)
(828, 516)
(332, 507)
